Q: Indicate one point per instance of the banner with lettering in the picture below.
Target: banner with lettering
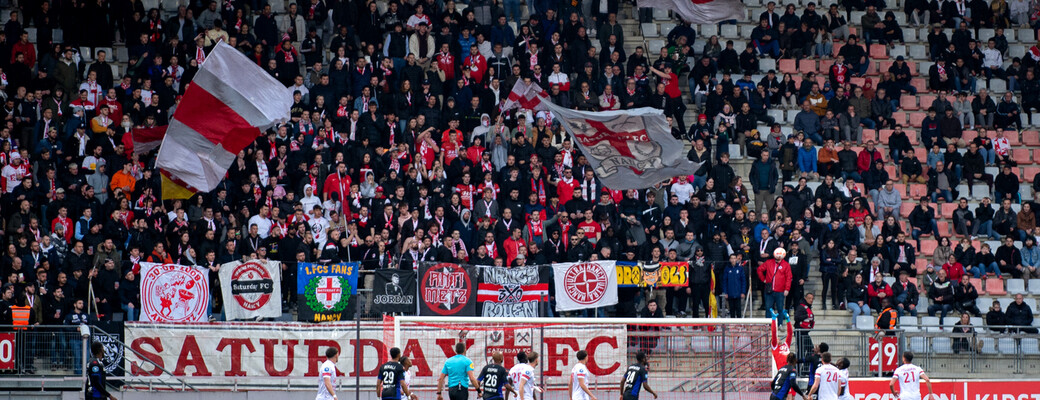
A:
(666, 274)
(174, 293)
(511, 292)
(325, 292)
(394, 292)
(447, 289)
(251, 289)
(583, 285)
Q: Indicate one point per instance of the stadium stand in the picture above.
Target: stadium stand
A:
(955, 136)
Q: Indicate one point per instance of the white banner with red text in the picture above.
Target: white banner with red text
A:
(254, 353)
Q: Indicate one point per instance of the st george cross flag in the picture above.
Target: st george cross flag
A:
(227, 105)
(583, 285)
(628, 149)
(526, 95)
(701, 11)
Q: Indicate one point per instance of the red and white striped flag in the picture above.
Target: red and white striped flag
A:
(143, 140)
(525, 95)
(228, 104)
(701, 11)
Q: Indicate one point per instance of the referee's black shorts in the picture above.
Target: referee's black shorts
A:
(627, 396)
(458, 393)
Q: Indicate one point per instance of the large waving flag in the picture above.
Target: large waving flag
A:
(228, 104)
(143, 140)
(701, 11)
(628, 149)
(525, 94)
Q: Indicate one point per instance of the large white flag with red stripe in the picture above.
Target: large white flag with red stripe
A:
(228, 104)
(527, 95)
(701, 11)
(628, 149)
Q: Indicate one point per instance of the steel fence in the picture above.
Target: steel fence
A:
(45, 350)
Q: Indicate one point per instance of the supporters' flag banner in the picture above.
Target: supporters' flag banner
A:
(584, 285)
(447, 289)
(713, 302)
(701, 11)
(174, 293)
(666, 274)
(394, 292)
(227, 105)
(143, 140)
(324, 291)
(628, 149)
(525, 95)
(112, 341)
(251, 289)
(511, 292)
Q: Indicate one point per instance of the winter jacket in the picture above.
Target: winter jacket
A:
(776, 275)
(734, 281)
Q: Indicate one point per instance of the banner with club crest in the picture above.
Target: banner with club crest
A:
(326, 292)
(174, 293)
(251, 289)
(511, 292)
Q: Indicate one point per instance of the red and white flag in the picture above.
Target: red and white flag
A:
(583, 285)
(628, 149)
(228, 104)
(143, 140)
(701, 11)
(526, 96)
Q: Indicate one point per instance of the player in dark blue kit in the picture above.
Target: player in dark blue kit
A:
(494, 379)
(635, 379)
(96, 387)
(391, 384)
(786, 380)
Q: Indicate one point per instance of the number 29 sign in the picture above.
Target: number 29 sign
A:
(884, 353)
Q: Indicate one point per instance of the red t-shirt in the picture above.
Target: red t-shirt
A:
(671, 86)
(590, 228)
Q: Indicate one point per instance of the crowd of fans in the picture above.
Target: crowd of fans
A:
(397, 152)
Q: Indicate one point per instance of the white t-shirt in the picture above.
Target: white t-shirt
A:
(909, 377)
(579, 372)
(523, 371)
(830, 380)
(328, 370)
(845, 377)
(319, 227)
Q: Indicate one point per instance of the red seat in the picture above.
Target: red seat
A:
(944, 228)
(1022, 156)
(883, 135)
(891, 169)
(908, 102)
(921, 86)
(917, 190)
(900, 118)
(789, 67)
(1031, 138)
(1030, 172)
(921, 264)
(905, 208)
(946, 209)
(921, 153)
(807, 66)
(977, 283)
(868, 134)
(995, 287)
(928, 246)
(916, 118)
(858, 81)
(825, 66)
(836, 48)
(1013, 138)
(925, 100)
(969, 135)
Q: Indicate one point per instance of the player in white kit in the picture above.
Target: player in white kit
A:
(578, 386)
(843, 368)
(909, 377)
(828, 383)
(522, 375)
(327, 376)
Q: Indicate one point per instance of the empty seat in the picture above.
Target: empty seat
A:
(918, 344)
(1007, 345)
(1016, 286)
(1030, 346)
(729, 31)
(864, 322)
(1034, 287)
(908, 323)
(942, 345)
(995, 286)
(988, 345)
(649, 29)
(930, 324)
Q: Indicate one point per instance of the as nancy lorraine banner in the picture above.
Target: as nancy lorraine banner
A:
(174, 293)
(324, 291)
(628, 149)
(583, 285)
(665, 274)
(251, 289)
